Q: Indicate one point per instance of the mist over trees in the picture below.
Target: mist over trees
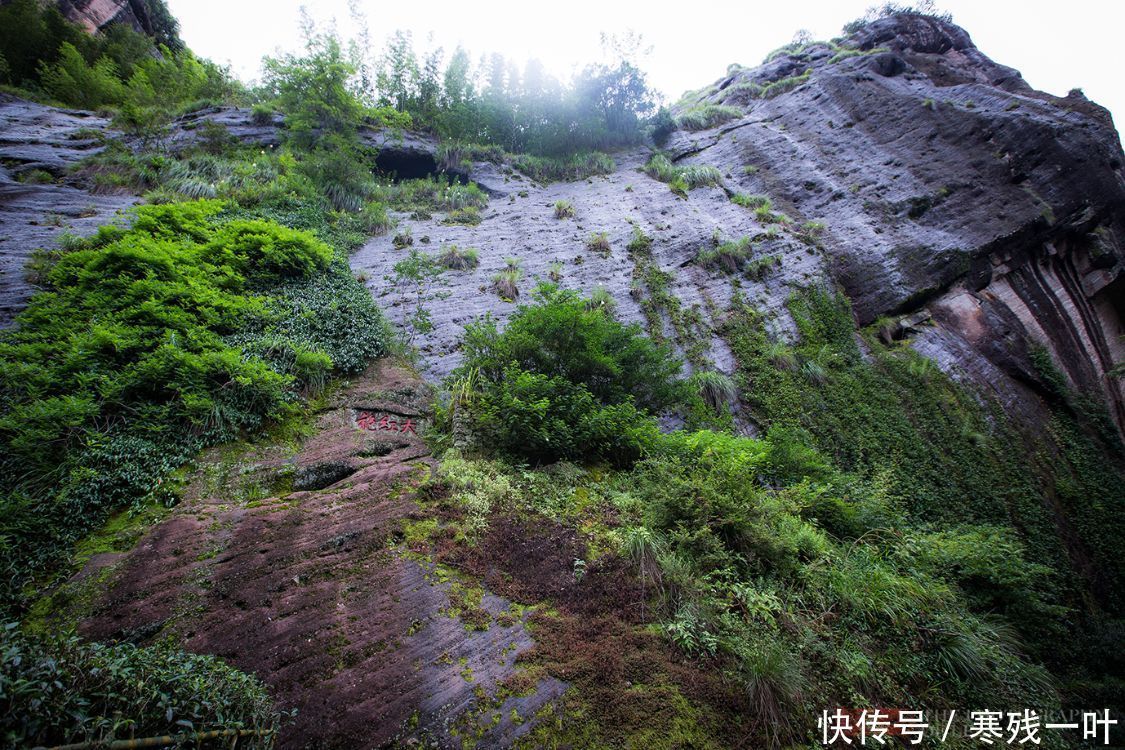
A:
(493, 99)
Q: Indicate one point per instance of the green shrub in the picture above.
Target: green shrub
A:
(543, 419)
(661, 126)
(60, 690)
(559, 336)
(320, 94)
(265, 252)
(374, 220)
(564, 210)
(148, 343)
(337, 169)
(73, 81)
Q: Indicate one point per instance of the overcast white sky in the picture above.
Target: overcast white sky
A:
(1056, 45)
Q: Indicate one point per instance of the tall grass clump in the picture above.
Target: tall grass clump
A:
(457, 259)
(682, 178)
(706, 116)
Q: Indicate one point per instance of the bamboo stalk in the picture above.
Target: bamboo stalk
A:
(162, 741)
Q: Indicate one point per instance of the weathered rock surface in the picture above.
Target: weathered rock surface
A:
(942, 178)
(37, 139)
(34, 137)
(96, 15)
(523, 226)
(319, 594)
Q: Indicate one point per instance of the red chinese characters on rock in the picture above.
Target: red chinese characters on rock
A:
(366, 420)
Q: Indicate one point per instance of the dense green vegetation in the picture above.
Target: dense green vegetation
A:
(194, 324)
(887, 542)
(42, 52)
(889, 539)
(522, 111)
(59, 689)
(564, 380)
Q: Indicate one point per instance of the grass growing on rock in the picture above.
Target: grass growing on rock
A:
(719, 546)
(454, 258)
(598, 242)
(682, 178)
(706, 116)
(882, 420)
(878, 543)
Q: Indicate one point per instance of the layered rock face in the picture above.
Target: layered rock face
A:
(36, 139)
(95, 15)
(990, 215)
(951, 191)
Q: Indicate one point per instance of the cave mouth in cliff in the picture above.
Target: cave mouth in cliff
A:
(413, 165)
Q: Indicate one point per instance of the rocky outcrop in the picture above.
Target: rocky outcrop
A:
(42, 198)
(38, 146)
(96, 15)
(943, 181)
(320, 593)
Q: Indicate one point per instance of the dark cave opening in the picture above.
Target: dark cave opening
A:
(404, 164)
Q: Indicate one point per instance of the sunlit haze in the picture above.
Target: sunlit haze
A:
(1056, 46)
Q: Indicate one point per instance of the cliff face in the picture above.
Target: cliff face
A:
(95, 15)
(991, 214)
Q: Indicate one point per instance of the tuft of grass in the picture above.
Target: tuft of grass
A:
(784, 85)
(469, 216)
(682, 178)
(716, 389)
(564, 209)
(36, 177)
(810, 232)
(598, 242)
(814, 372)
(506, 283)
(568, 169)
(764, 215)
(706, 116)
(403, 239)
(759, 268)
(729, 257)
(752, 201)
(601, 299)
(261, 114)
(456, 259)
(780, 356)
(641, 243)
(373, 219)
